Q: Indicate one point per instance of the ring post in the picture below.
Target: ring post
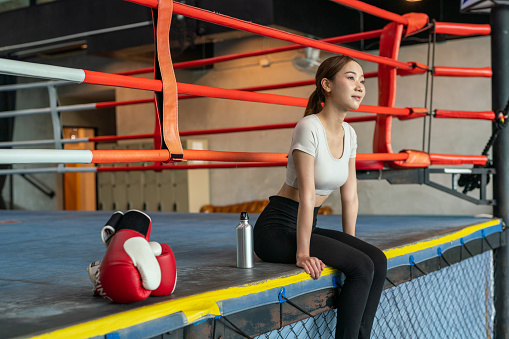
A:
(55, 116)
(500, 94)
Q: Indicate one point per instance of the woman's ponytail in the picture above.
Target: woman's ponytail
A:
(314, 103)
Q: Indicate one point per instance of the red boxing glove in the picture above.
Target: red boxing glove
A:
(137, 222)
(110, 228)
(107, 233)
(166, 260)
(129, 271)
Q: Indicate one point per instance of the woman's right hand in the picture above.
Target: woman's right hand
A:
(312, 265)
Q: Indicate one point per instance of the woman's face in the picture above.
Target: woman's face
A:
(346, 90)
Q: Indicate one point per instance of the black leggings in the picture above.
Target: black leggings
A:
(364, 265)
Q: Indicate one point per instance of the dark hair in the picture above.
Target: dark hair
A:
(327, 69)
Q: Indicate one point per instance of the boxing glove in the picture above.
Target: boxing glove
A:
(106, 233)
(109, 229)
(129, 271)
(138, 224)
(166, 260)
(167, 264)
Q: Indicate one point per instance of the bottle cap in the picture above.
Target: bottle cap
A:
(244, 216)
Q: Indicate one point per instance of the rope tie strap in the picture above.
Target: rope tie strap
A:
(297, 306)
(236, 329)
(390, 281)
(440, 257)
(214, 327)
(170, 102)
(486, 239)
(336, 282)
(282, 298)
(417, 68)
(412, 263)
(463, 244)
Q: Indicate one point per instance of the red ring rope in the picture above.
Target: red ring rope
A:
(123, 103)
(258, 29)
(381, 13)
(463, 71)
(454, 159)
(445, 114)
(108, 138)
(190, 154)
(197, 166)
(263, 127)
(223, 20)
(108, 156)
(206, 91)
(213, 60)
(461, 29)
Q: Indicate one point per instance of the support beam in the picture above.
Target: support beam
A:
(500, 94)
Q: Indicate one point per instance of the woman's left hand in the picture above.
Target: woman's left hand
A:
(312, 265)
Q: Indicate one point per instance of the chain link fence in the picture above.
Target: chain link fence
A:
(456, 301)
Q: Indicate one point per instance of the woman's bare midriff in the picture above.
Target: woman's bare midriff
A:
(293, 193)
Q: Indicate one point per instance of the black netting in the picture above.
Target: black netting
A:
(320, 326)
(454, 302)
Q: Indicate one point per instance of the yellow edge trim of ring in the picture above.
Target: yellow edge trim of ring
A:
(194, 307)
(399, 251)
(197, 306)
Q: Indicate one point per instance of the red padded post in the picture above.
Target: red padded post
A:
(389, 47)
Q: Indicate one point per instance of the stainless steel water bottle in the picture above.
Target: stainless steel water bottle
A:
(245, 256)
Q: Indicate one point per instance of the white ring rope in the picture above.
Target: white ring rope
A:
(21, 68)
(48, 156)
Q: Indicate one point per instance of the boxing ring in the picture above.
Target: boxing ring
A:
(439, 285)
(213, 298)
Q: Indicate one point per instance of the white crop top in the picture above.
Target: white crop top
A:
(330, 173)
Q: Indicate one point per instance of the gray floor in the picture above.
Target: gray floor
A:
(44, 255)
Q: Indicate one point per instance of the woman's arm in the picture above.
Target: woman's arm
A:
(304, 166)
(350, 200)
